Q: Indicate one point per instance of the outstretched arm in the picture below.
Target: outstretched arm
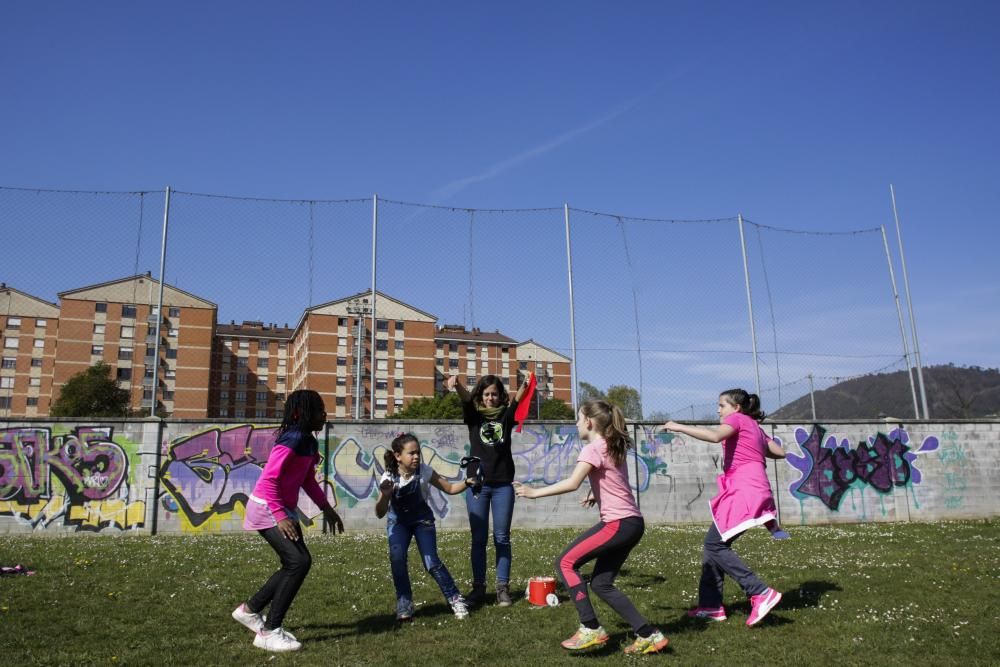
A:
(568, 485)
(453, 383)
(700, 432)
(451, 488)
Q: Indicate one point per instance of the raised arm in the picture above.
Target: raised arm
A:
(707, 434)
(451, 488)
(453, 383)
(524, 386)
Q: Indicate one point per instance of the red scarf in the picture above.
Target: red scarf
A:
(525, 404)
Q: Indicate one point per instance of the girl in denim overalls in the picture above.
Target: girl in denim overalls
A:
(404, 488)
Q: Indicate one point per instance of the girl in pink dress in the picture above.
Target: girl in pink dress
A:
(744, 501)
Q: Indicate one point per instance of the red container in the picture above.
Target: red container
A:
(539, 589)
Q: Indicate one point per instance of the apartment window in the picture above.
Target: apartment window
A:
(172, 353)
(262, 345)
(399, 364)
(260, 413)
(225, 378)
(281, 362)
(41, 323)
(281, 379)
(381, 404)
(440, 345)
(382, 325)
(399, 345)
(398, 402)
(381, 345)
(128, 332)
(170, 374)
(241, 378)
(10, 343)
(4, 402)
(398, 384)
(223, 412)
(261, 363)
(453, 363)
(223, 395)
(10, 362)
(39, 343)
(124, 374)
(6, 382)
(504, 348)
(147, 372)
(381, 384)
(32, 401)
(172, 332)
(341, 321)
(174, 312)
(241, 396)
(381, 364)
(341, 381)
(14, 323)
(244, 345)
(168, 395)
(99, 329)
(341, 361)
(282, 346)
(36, 363)
(341, 400)
(149, 350)
(128, 311)
(100, 307)
(261, 396)
(34, 382)
(471, 380)
(96, 350)
(239, 413)
(342, 341)
(453, 347)
(262, 381)
(241, 362)
(125, 354)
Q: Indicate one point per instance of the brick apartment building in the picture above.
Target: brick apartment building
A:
(29, 327)
(246, 370)
(116, 322)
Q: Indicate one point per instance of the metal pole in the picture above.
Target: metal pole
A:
(159, 307)
(374, 255)
(359, 353)
(812, 397)
(909, 307)
(746, 278)
(902, 328)
(572, 316)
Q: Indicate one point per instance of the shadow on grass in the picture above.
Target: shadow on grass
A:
(372, 625)
(614, 646)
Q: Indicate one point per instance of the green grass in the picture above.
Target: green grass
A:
(887, 594)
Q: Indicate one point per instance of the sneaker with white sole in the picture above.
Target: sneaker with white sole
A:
(761, 604)
(276, 640)
(404, 610)
(250, 620)
(586, 637)
(459, 607)
(711, 613)
(654, 643)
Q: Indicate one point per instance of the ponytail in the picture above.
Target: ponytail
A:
(610, 422)
(749, 404)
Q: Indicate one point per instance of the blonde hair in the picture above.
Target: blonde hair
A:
(610, 422)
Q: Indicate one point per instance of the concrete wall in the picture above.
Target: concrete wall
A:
(60, 477)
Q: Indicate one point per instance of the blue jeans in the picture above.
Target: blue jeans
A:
(501, 499)
(399, 544)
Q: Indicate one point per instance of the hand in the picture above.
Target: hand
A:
(527, 377)
(386, 486)
(588, 500)
(334, 521)
(451, 382)
(671, 426)
(289, 528)
(522, 491)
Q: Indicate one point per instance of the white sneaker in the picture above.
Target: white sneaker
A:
(253, 622)
(276, 640)
(458, 606)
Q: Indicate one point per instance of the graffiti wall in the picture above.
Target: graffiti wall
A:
(185, 477)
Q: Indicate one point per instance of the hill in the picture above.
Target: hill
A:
(953, 392)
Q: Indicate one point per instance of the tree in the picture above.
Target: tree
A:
(626, 398)
(553, 408)
(91, 393)
(587, 391)
(447, 406)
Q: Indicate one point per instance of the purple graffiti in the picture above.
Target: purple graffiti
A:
(830, 468)
(86, 461)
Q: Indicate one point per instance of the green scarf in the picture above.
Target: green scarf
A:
(490, 413)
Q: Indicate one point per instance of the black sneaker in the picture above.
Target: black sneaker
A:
(503, 595)
(476, 596)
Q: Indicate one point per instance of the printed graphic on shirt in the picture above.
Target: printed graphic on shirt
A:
(491, 433)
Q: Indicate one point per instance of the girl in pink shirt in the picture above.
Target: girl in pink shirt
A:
(603, 462)
(744, 501)
(272, 512)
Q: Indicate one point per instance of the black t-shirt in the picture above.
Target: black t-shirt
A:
(490, 441)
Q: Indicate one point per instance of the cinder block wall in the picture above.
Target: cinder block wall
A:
(146, 476)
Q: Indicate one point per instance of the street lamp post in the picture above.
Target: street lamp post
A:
(359, 308)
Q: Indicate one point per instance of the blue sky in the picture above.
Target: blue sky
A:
(798, 115)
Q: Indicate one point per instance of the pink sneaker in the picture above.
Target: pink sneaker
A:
(761, 604)
(711, 613)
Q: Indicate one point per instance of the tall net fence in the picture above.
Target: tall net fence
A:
(659, 309)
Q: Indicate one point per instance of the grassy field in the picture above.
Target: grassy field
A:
(886, 594)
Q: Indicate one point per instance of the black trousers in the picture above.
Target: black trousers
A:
(280, 589)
